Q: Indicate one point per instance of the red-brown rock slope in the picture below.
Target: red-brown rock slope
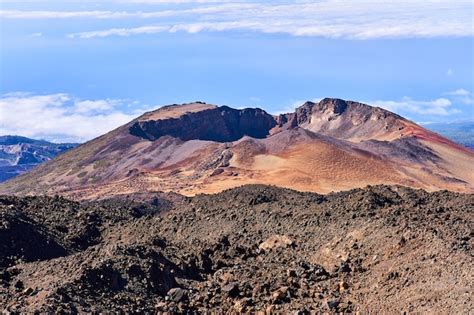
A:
(200, 148)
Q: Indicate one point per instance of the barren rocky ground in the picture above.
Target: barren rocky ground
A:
(252, 248)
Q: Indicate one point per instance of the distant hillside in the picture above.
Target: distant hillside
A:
(20, 154)
(461, 132)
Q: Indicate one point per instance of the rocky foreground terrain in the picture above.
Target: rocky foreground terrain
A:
(252, 248)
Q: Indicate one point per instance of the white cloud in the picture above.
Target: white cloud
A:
(449, 72)
(362, 19)
(18, 14)
(120, 32)
(462, 96)
(437, 107)
(60, 116)
(95, 106)
(459, 92)
(107, 14)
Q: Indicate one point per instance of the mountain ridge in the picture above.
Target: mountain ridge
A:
(202, 148)
(20, 154)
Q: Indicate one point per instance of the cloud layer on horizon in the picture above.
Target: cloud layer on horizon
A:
(328, 18)
(442, 106)
(61, 117)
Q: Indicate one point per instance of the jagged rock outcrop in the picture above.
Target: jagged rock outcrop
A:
(333, 117)
(220, 124)
(346, 120)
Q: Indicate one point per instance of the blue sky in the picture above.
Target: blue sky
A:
(73, 70)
